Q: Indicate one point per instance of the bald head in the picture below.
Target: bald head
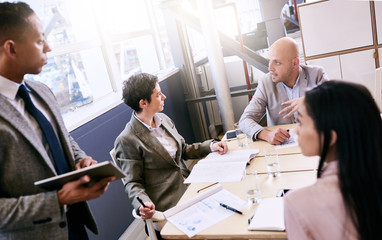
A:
(284, 61)
(285, 47)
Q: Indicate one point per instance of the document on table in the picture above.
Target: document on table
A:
(269, 216)
(222, 168)
(290, 142)
(204, 210)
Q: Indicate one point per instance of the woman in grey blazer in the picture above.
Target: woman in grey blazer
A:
(151, 151)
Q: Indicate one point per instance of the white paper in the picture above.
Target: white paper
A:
(269, 216)
(231, 156)
(201, 212)
(221, 168)
(217, 172)
(290, 142)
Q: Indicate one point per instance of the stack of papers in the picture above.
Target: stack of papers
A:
(229, 167)
(269, 216)
(204, 210)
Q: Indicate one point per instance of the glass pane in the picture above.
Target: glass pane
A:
(197, 43)
(122, 16)
(64, 21)
(163, 36)
(76, 79)
(136, 55)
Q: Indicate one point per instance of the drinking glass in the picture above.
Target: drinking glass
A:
(272, 161)
(252, 187)
(240, 136)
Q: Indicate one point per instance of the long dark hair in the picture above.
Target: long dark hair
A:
(349, 110)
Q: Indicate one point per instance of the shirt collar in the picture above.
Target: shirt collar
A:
(297, 81)
(157, 120)
(9, 88)
(330, 168)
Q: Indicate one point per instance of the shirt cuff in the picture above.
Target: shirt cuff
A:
(211, 148)
(257, 132)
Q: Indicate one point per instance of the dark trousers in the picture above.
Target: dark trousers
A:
(156, 233)
(76, 226)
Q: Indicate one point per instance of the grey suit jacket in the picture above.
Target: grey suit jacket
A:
(27, 211)
(151, 172)
(269, 96)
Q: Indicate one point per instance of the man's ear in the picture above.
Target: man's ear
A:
(9, 48)
(333, 139)
(296, 62)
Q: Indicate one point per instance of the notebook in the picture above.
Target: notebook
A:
(269, 216)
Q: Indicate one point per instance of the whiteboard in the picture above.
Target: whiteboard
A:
(359, 67)
(335, 25)
(378, 85)
(330, 64)
(378, 16)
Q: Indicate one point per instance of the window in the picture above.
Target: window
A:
(249, 14)
(97, 44)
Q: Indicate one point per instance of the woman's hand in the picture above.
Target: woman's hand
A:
(220, 147)
(148, 211)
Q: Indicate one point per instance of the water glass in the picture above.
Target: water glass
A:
(252, 188)
(272, 161)
(240, 136)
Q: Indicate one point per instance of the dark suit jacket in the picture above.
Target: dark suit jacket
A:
(151, 173)
(27, 211)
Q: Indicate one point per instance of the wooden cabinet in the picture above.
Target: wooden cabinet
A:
(356, 67)
(344, 37)
(346, 22)
(330, 64)
(359, 67)
(378, 16)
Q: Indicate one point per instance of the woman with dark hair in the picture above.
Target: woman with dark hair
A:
(341, 123)
(151, 151)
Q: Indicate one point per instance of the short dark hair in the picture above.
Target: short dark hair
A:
(137, 87)
(350, 110)
(13, 21)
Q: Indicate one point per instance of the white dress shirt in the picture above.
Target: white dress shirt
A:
(9, 89)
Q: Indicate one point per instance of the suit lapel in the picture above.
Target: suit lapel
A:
(14, 118)
(48, 99)
(173, 134)
(303, 82)
(144, 134)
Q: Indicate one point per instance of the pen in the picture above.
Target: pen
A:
(141, 202)
(206, 187)
(250, 219)
(230, 208)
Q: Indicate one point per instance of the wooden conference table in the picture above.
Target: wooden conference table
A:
(296, 171)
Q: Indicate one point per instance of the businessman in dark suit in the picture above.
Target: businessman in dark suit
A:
(27, 152)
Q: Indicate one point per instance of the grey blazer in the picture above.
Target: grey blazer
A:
(151, 173)
(269, 96)
(27, 211)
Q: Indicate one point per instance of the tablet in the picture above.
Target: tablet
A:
(96, 172)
